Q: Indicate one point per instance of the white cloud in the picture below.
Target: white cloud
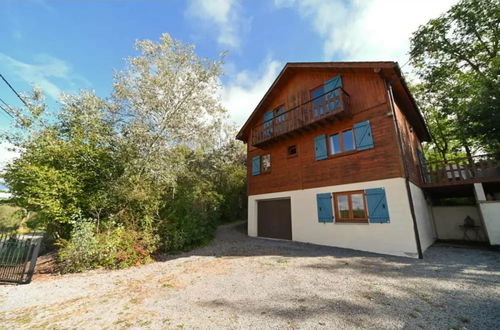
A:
(47, 72)
(245, 89)
(223, 15)
(362, 30)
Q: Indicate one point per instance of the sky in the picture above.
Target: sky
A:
(65, 46)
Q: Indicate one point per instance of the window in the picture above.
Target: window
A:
(279, 114)
(266, 163)
(335, 144)
(279, 119)
(342, 142)
(348, 140)
(351, 206)
(318, 101)
(292, 151)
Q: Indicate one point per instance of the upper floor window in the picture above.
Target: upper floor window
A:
(279, 114)
(292, 151)
(357, 138)
(266, 163)
(342, 142)
(261, 164)
(326, 98)
(318, 101)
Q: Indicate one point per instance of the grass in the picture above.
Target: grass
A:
(10, 217)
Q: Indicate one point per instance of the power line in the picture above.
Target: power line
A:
(15, 92)
(7, 106)
(7, 112)
(11, 112)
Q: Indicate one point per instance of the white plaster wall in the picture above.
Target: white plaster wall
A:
(395, 238)
(448, 219)
(491, 218)
(423, 216)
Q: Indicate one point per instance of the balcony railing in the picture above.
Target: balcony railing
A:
(461, 170)
(329, 105)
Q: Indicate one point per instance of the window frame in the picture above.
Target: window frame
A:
(349, 203)
(279, 117)
(340, 133)
(288, 151)
(262, 169)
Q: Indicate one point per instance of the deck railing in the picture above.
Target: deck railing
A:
(460, 170)
(328, 105)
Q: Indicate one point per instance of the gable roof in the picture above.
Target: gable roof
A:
(387, 69)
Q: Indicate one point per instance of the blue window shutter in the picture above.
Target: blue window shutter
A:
(268, 116)
(363, 133)
(268, 123)
(320, 147)
(332, 99)
(325, 210)
(256, 165)
(333, 83)
(378, 211)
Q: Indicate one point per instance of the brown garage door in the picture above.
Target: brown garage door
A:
(274, 219)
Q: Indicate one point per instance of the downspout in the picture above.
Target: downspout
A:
(405, 169)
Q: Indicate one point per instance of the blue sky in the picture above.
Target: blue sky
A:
(63, 46)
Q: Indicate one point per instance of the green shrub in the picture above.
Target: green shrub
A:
(187, 233)
(113, 248)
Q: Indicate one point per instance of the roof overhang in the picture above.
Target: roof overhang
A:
(388, 70)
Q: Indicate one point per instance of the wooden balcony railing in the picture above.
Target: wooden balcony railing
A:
(461, 170)
(329, 105)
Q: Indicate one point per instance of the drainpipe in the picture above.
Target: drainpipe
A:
(405, 169)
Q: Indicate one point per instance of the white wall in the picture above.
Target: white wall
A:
(448, 219)
(423, 216)
(491, 218)
(395, 238)
(491, 214)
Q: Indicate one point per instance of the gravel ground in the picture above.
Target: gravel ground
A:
(239, 282)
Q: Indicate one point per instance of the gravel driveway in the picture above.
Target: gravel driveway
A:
(241, 282)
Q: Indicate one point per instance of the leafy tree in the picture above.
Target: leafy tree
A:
(456, 57)
(152, 165)
(65, 167)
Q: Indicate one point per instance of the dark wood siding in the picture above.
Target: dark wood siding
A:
(410, 143)
(369, 101)
(274, 219)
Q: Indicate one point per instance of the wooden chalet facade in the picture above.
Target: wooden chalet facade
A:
(335, 158)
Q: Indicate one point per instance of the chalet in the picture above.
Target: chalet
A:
(334, 157)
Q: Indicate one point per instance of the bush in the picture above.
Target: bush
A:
(113, 248)
(187, 233)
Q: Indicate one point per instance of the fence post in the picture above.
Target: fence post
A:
(34, 256)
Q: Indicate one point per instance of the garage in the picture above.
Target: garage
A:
(274, 219)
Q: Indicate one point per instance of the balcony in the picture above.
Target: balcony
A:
(322, 109)
(481, 168)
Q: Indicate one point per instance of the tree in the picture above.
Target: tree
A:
(65, 167)
(154, 159)
(456, 58)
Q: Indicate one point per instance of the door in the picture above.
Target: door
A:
(274, 219)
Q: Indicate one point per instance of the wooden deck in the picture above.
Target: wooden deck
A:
(461, 171)
(322, 109)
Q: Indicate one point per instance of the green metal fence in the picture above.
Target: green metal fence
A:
(18, 254)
